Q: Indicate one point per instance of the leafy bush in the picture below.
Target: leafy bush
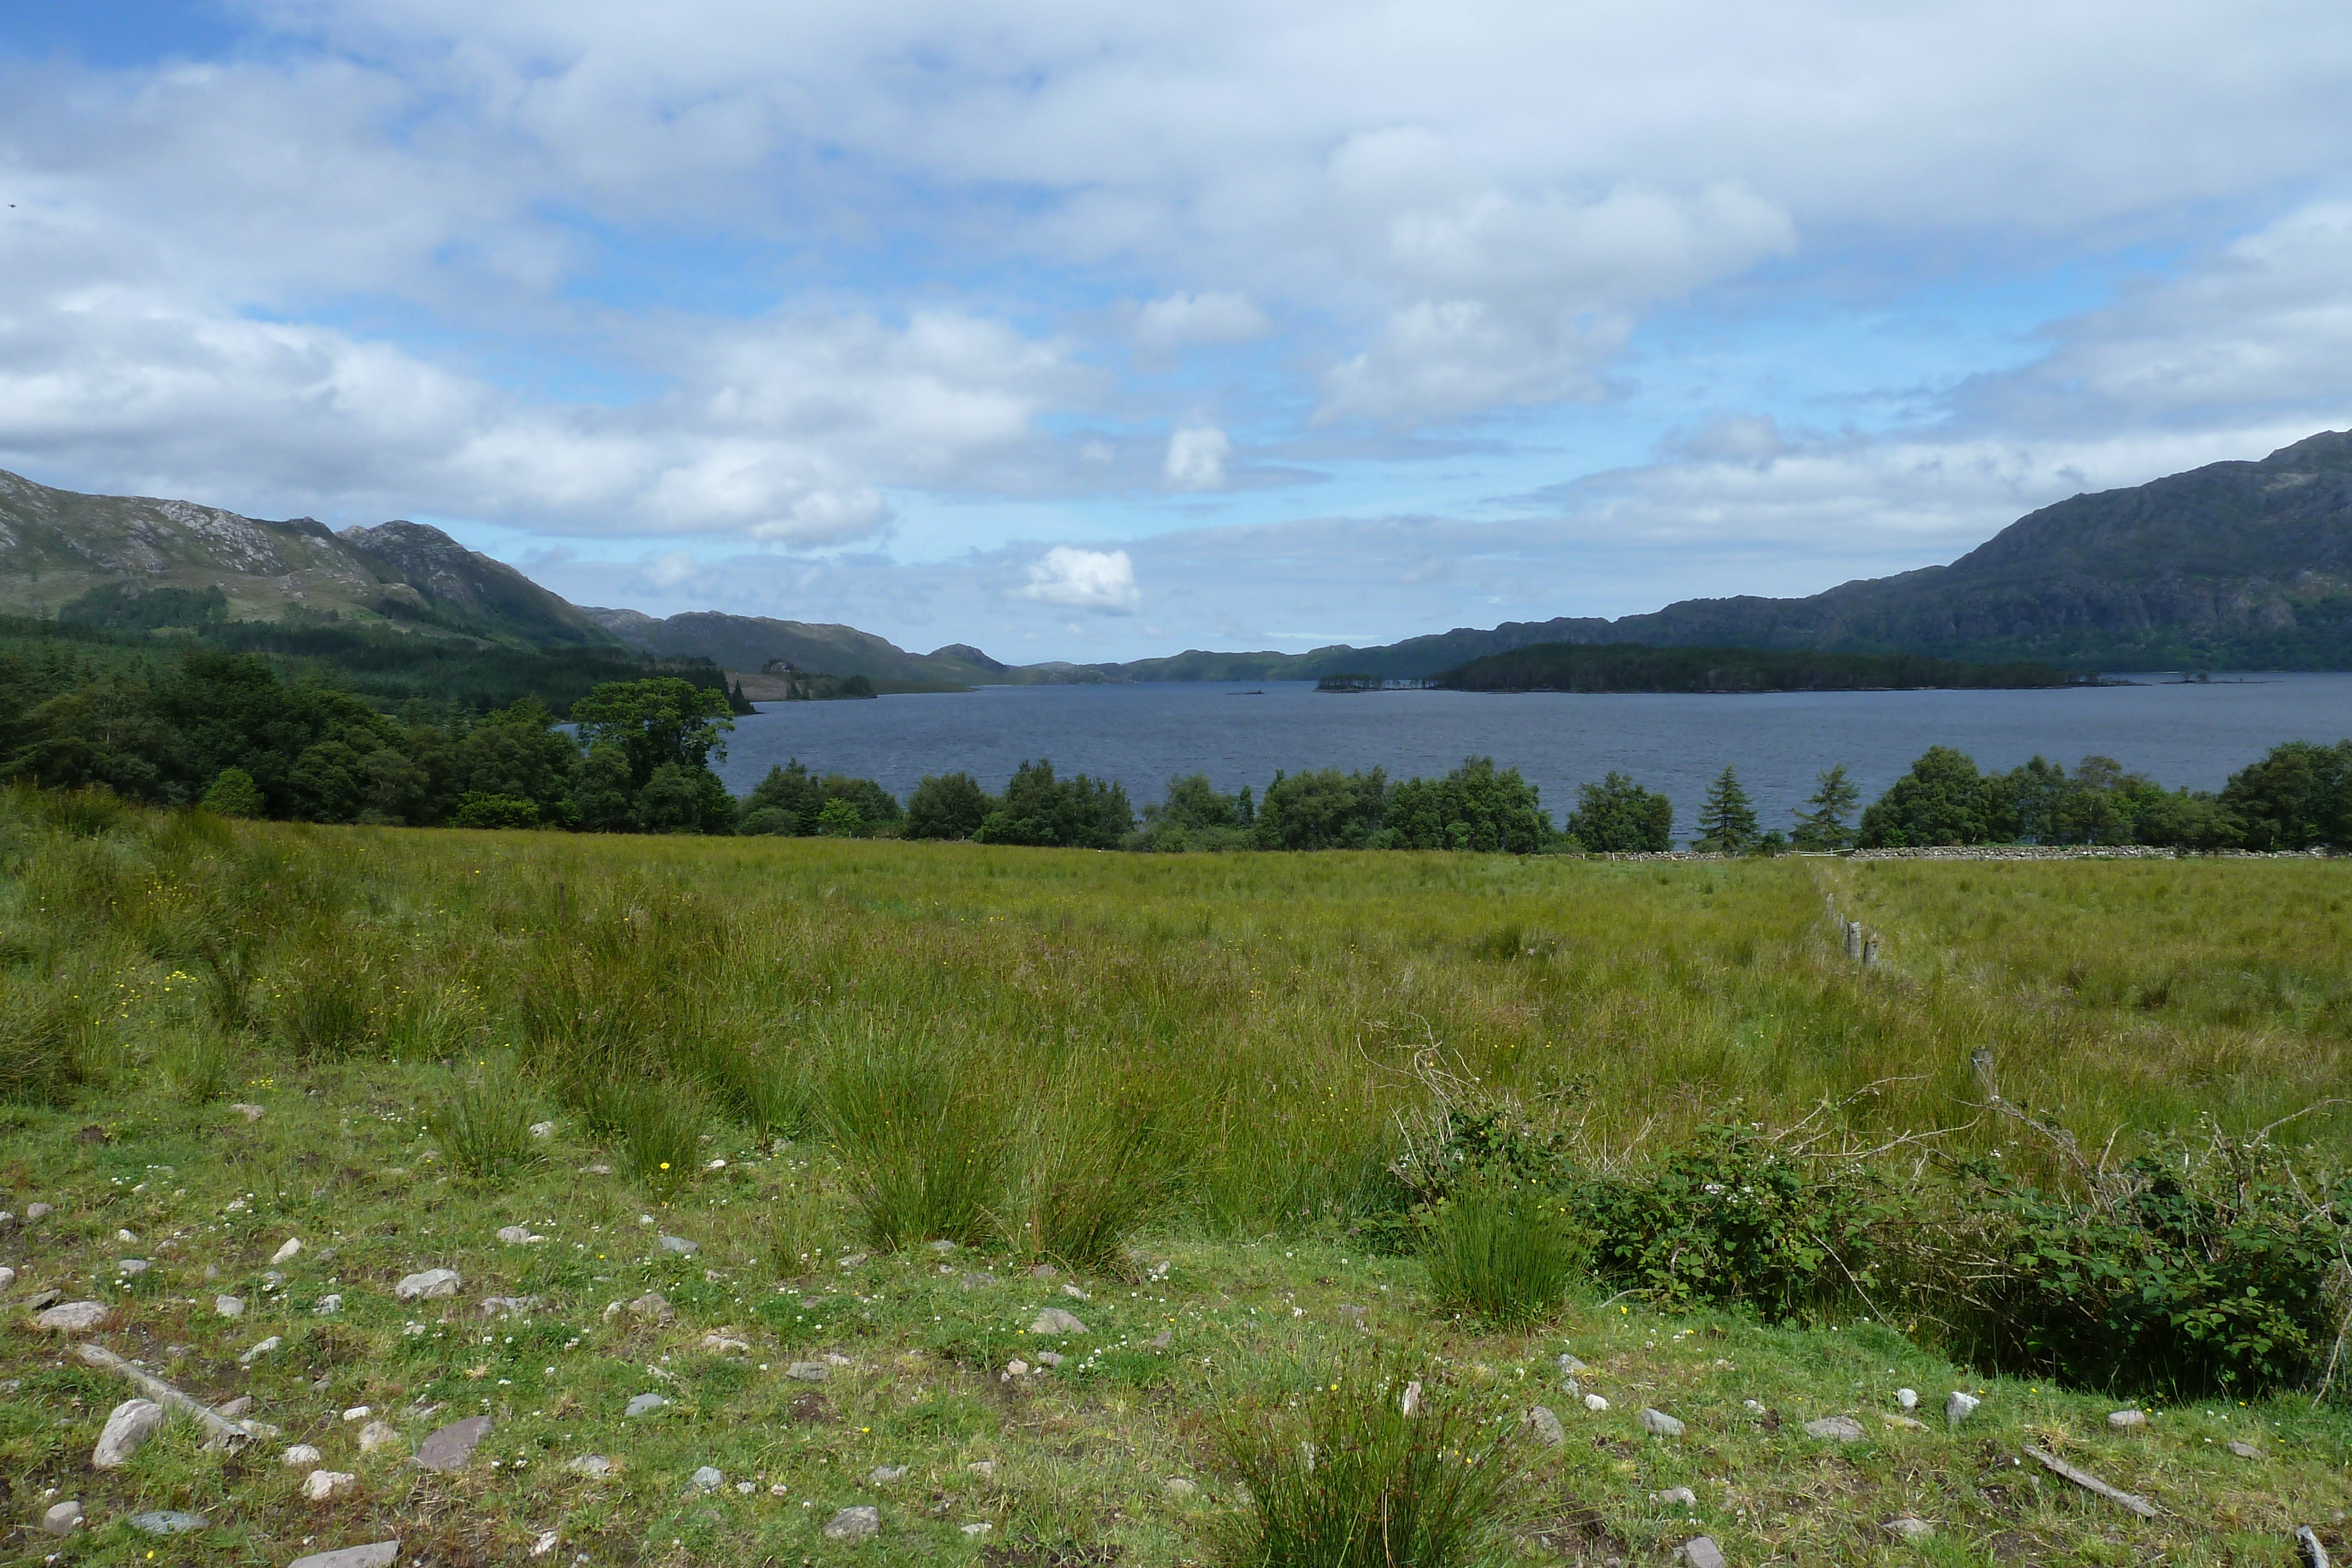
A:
(925, 1160)
(947, 806)
(482, 1127)
(1618, 816)
(233, 793)
(1500, 1249)
(1342, 1475)
(477, 810)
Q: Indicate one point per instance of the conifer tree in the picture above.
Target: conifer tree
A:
(1726, 820)
(1825, 826)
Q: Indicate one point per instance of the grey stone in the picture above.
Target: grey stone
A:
(854, 1524)
(809, 1371)
(1043, 1272)
(853, 1261)
(37, 1211)
(1594, 1403)
(543, 1130)
(885, 1475)
(1753, 1407)
(235, 1407)
(62, 1519)
(1905, 1422)
(7, 1277)
(1569, 1366)
(1960, 1406)
(1161, 1340)
(509, 1306)
(72, 1317)
(984, 1468)
(429, 1285)
(708, 1479)
(452, 1447)
(680, 1246)
(329, 1304)
(944, 1248)
(979, 1278)
(286, 1253)
(250, 1113)
(1701, 1551)
(594, 1466)
(518, 1235)
(1049, 1358)
(1178, 1486)
(168, 1521)
(724, 1344)
(300, 1454)
(1908, 1528)
(129, 1425)
(645, 1405)
(1072, 1290)
(2122, 1419)
(1548, 1431)
(258, 1351)
(228, 1306)
(1836, 1429)
(321, 1485)
(376, 1555)
(130, 1268)
(1907, 1398)
(654, 1305)
(1680, 1497)
(2245, 1450)
(378, 1434)
(1054, 1319)
(1658, 1423)
(41, 1300)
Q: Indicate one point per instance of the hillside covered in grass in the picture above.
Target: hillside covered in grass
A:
(1045, 1203)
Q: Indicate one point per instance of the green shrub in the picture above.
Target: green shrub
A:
(477, 810)
(233, 793)
(1340, 1476)
(482, 1126)
(1503, 1250)
(925, 1159)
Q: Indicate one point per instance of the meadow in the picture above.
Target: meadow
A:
(890, 1102)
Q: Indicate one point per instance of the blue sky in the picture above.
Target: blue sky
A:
(1088, 332)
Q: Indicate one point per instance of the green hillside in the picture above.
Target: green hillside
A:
(1632, 667)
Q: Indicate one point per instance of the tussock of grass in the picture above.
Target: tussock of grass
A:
(1501, 1249)
(660, 1127)
(920, 1133)
(482, 1126)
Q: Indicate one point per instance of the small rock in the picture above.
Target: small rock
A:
(680, 1246)
(37, 1211)
(2123, 1418)
(168, 1521)
(1017, 1367)
(1054, 1319)
(329, 1305)
(1594, 1403)
(644, 1405)
(129, 1425)
(984, 1468)
(1075, 1294)
(1701, 1551)
(1658, 1423)
(853, 1261)
(1571, 1387)
(62, 1519)
(854, 1524)
(885, 1475)
(7, 1278)
(509, 1306)
(250, 1113)
(235, 1407)
(228, 1306)
(981, 1527)
(545, 1542)
(300, 1454)
(1679, 1497)
(1908, 1528)
(258, 1351)
(2245, 1450)
(377, 1555)
(1043, 1272)
(378, 1434)
(653, 1306)
(324, 1484)
(944, 1248)
(707, 1479)
(429, 1285)
(1836, 1429)
(1178, 1486)
(1569, 1366)
(809, 1371)
(73, 1317)
(542, 1130)
(1548, 1429)
(271, 1280)
(1161, 1340)
(127, 1238)
(452, 1446)
(1753, 1407)
(130, 1268)
(1905, 1423)
(593, 1466)
(1907, 1398)
(286, 1254)
(1049, 1359)
(722, 1343)
(979, 1278)
(518, 1235)
(41, 1300)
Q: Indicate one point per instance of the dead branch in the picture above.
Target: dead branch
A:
(2091, 1483)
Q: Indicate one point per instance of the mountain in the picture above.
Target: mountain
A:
(749, 642)
(57, 545)
(2230, 566)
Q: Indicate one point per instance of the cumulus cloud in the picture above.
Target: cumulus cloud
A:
(1083, 580)
(1183, 320)
(1196, 459)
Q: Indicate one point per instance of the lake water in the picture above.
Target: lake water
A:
(1145, 735)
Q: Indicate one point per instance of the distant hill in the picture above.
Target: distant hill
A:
(58, 546)
(1638, 667)
(749, 642)
(2230, 566)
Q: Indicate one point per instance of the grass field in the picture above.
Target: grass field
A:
(1178, 1082)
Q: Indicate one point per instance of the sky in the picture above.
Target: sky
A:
(1096, 331)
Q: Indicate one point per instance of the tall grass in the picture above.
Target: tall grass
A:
(661, 1133)
(1502, 1249)
(920, 1135)
(1095, 1172)
(1344, 1475)
(482, 1126)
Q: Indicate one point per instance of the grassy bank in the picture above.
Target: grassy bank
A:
(1179, 1082)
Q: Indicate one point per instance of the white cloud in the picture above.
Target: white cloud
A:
(1083, 580)
(1181, 320)
(1196, 458)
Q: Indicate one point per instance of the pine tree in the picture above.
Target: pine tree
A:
(1825, 827)
(1726, 820)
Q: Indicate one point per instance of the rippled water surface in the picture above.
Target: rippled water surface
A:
(1143, 735)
